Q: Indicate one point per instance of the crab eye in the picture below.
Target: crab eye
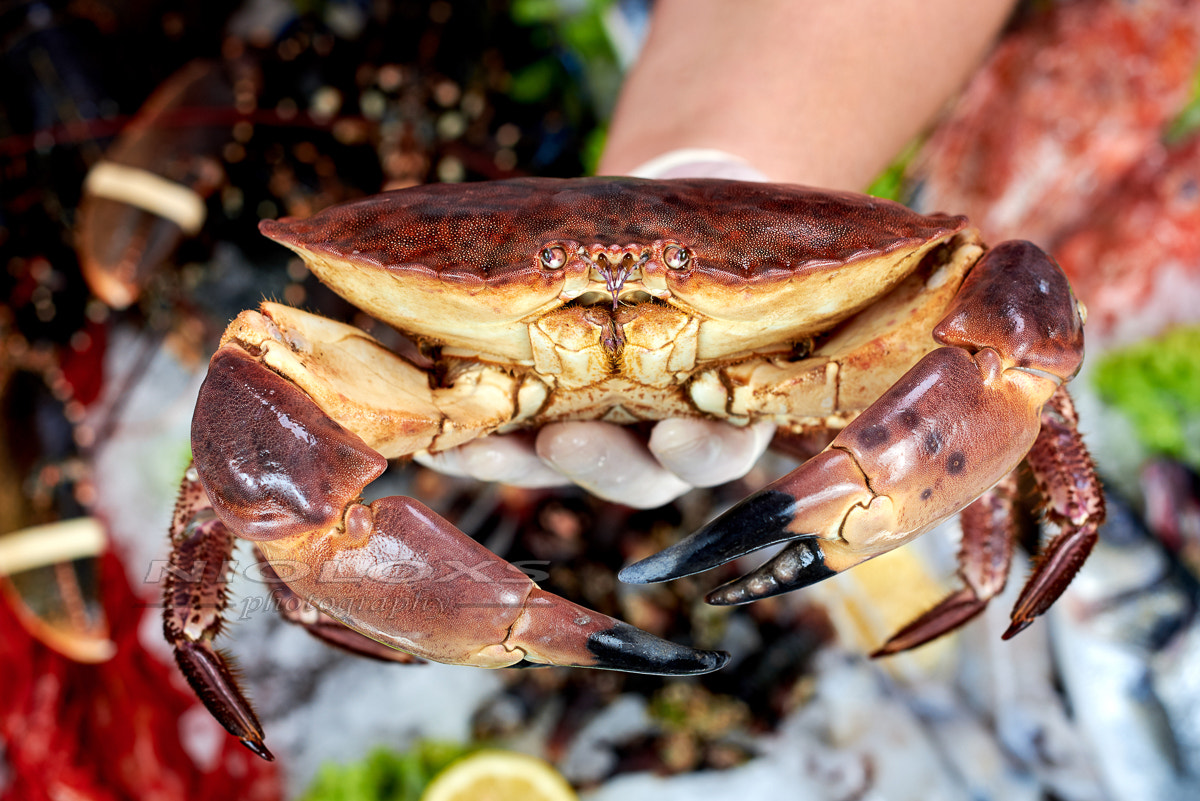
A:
(676, 257)
(554, 258)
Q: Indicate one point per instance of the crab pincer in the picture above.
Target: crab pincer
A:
(277, 470)
(952, 428)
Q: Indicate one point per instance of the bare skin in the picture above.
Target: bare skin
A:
(808, 92)
(823, 94)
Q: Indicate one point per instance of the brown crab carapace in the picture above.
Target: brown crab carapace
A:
(939, 363)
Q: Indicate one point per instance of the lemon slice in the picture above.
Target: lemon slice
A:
(499, 776)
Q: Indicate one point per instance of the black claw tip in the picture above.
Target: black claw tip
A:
(800, 564)
(259, 749)
(760, 520)
(1016, 627)
(627, 648)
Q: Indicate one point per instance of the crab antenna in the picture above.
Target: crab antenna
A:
(614, 278)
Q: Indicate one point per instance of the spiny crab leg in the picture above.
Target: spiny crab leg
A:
(1074, 498)
(194, 600)
(950, 429)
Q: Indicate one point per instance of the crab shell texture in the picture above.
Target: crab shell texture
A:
(617, 299)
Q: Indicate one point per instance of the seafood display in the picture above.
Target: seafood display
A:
(131, 193)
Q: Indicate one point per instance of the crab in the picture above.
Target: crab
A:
(936, 365)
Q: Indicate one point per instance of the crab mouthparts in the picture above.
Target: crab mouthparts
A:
(615, 273)
(615, 269)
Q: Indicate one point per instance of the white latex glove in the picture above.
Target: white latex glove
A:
(609, 460)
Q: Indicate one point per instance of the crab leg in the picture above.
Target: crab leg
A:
(1074, 497)
(194, 599)
(280, 471)
(951, 428)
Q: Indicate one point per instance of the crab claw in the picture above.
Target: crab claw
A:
(927, 447)
(280, 471)
(772, 515)
(405, 576)
(952, 427)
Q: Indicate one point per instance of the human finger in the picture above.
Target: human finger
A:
(705, 453)
(609, 461)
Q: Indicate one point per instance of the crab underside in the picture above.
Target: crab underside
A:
(938, 363)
